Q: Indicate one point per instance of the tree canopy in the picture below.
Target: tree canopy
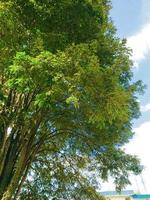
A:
(67, 100)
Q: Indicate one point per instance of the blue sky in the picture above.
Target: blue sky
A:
(132, 20)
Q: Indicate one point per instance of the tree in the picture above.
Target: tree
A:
(66, 100)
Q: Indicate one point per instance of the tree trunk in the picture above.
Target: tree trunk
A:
(17, 148)
(16, 178)
(16, 163)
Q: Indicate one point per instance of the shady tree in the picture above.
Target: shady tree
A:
(67, 100)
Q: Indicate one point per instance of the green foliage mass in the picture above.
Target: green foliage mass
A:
(67, 100)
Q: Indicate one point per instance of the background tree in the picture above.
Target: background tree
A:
(66, 100)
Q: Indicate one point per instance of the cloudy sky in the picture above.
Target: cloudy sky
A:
(132, 19)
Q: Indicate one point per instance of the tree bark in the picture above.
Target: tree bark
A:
(19, 155)
(20, 167)
(14, 175)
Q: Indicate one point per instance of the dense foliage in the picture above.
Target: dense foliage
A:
(66, 100)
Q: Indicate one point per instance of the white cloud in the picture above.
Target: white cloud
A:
(140, 44)
(145, 108)
(140, 146)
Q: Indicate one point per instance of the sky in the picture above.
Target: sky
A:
(132, 20)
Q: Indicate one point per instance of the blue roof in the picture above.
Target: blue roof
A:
(114, 193)
(141, 196)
